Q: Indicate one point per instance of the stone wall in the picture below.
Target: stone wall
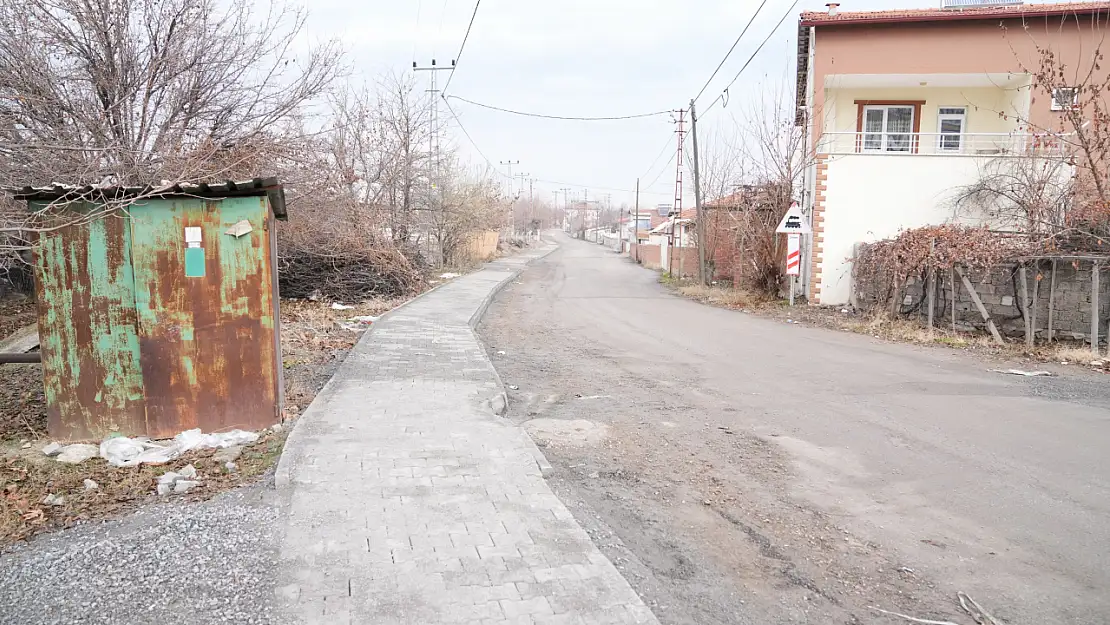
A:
(1000, 290)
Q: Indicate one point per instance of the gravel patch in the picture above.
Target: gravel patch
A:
(187, 563)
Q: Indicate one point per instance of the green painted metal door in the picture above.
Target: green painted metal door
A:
(87, 331)
(205, 313)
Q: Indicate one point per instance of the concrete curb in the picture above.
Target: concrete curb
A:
(295, 441)
(500, 403)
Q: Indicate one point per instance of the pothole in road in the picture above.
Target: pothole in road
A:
(567, 432)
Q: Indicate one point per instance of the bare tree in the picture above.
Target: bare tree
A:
(138, 92)
(754, 174)
(1058, 187)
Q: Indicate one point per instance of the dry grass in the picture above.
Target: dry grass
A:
(27, 477)
(720, 296)
(1073, 354)
(882, 326)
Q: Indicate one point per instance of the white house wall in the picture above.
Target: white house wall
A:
(871, 197)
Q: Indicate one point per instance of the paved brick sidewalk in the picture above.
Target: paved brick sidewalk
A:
(410, 501)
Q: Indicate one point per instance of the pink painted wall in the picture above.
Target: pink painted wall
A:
(960, 47)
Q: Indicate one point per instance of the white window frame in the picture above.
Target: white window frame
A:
(941, 117)
(885, 134)
(1058, 99)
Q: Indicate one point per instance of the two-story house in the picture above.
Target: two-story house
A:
(904, 108)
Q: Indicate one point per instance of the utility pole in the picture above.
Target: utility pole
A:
(636, 220)
(585, 210)
(681, 121)
(517, 194)
(531, 205)
(566, 207)
(512, 199)
(433, 139)
(700, 213)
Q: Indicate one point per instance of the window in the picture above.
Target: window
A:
(951, 124)
(1064, 98)
(888, 128)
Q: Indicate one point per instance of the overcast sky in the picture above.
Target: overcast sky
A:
(578, 58)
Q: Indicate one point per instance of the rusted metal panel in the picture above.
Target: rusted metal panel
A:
(90, 349)
(207, 342)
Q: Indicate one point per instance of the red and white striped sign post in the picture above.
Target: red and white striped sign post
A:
(794, 224)
(793, 260)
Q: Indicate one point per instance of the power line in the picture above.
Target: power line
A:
(559, 117)
(465, 37)
(469, 138)
(729, 53)
(594, 186)
(500, 173)
(752, 57)
(664, 170)
(657, 157)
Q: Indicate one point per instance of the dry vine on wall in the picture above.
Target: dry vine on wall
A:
(882, 268)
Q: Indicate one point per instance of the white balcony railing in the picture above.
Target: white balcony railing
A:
(944, 144)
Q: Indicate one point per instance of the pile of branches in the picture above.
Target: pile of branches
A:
(882, 268)
(328, 259)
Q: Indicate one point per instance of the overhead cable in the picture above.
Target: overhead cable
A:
(729, 53)
(559, 117)
(463, 46)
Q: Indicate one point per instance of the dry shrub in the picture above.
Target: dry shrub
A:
(343, 258)
(882, 268)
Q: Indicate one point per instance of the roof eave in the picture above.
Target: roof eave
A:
(956, 16)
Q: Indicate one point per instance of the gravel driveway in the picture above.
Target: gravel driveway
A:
(185, 564)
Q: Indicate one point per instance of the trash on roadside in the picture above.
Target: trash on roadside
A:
(448, 276)
(77, 453)
(53, 500)
(514, 387)
(178, 482)
(91, 484)
(53, 449)
(338, 306)
(121, 451)
(367, 319)
(1028, 374)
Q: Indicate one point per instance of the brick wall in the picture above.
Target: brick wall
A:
(648, 255)
(1000, 290)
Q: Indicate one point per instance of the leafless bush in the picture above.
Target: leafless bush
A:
(881, 269)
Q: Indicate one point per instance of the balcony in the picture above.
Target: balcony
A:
(944, 144)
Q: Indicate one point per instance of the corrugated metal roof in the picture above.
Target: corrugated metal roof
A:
(270, 187)
(821, 18)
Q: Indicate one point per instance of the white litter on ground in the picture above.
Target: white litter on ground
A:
(1029, 374)
(338, 306)
(448, 276)
(121, 451)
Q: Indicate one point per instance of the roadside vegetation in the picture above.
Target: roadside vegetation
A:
(880, 324)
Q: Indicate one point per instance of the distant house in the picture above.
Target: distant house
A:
(684, 230)
(904, 107)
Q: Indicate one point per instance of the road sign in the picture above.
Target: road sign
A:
(794, 222)
(794, 255)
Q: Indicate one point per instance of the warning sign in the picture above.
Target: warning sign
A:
(794, 255)
(794, 222)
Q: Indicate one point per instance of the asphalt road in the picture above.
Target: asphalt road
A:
(740, 469)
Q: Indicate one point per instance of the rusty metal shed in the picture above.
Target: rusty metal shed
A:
(164, 316)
